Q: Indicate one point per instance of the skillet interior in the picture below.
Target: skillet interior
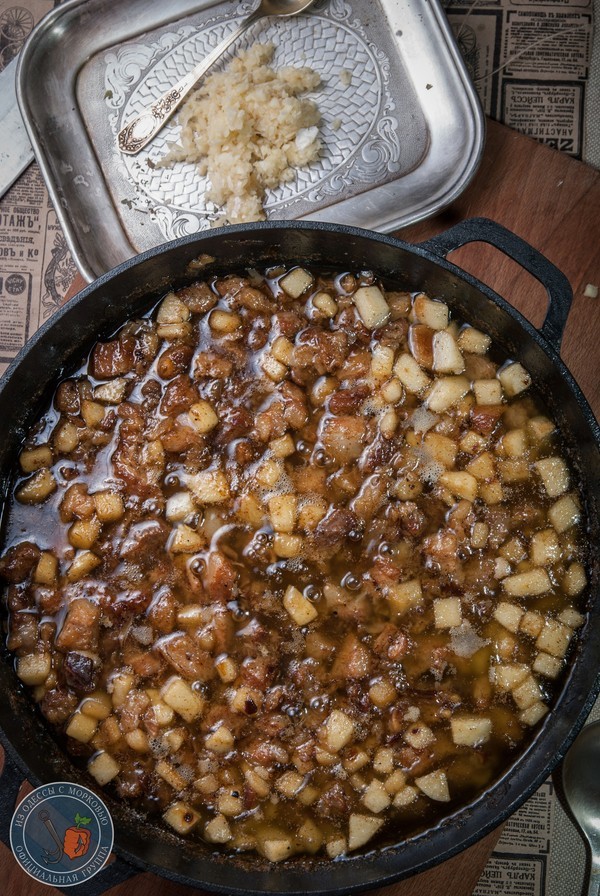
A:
(96, 312)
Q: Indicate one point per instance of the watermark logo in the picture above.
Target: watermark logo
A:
(61, 834)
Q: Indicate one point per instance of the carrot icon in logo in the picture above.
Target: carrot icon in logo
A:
(77, 839)
(75, 843)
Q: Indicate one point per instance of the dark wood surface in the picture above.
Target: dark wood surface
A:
(553, 202)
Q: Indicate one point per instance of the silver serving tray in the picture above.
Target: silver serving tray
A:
(402, 127)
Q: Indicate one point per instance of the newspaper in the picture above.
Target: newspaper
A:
(524, 55)
(521, 55)
(36, 268)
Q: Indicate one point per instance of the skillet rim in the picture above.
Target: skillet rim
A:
(515, 770)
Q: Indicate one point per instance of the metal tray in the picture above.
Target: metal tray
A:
(402, 126)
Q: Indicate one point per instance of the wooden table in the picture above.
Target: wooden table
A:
(553, 202)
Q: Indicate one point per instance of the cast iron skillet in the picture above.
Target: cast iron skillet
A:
(98, 310)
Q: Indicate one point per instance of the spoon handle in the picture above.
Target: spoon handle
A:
(136, 134)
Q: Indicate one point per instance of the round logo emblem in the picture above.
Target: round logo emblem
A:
(61, 834)
(15, 284)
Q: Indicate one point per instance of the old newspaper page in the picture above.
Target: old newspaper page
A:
(36, 268)
(529, 61)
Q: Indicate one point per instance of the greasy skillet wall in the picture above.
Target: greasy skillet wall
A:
(62, 344)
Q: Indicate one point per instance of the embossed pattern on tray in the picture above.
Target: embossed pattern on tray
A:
(361, 116)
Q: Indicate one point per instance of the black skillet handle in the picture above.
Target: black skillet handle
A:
(560, 294)
(10, 783)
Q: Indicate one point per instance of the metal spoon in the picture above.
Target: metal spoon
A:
(581, 783)
(140, 131)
